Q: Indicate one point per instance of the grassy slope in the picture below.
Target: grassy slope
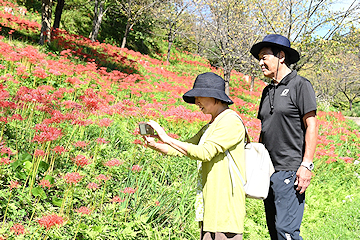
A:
(332, 199)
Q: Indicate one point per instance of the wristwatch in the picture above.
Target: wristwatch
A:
(308, 165)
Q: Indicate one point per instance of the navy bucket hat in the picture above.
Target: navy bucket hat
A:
(208, 85)
(276, 40)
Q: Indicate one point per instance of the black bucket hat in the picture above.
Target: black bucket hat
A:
(279, 41)
(208, 85)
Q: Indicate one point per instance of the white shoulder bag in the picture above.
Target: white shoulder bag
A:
(258, 169)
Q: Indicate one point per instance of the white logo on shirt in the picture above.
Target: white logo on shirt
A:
(284, 92)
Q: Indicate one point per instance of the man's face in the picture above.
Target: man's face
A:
(268, 62)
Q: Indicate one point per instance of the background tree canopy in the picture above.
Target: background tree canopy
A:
(223, 31)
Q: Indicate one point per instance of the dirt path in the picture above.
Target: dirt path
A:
(355, 119)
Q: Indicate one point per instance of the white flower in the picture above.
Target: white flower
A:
(356, 162)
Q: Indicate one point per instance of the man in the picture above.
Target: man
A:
(289, 132)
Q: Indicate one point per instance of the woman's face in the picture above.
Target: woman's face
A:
(206, 104)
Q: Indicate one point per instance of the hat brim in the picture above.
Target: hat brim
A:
(190, 95)
(293, 55)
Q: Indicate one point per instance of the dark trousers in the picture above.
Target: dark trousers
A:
(284, 207)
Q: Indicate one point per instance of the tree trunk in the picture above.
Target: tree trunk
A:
(127, 29)
(227, 75)
(350, 104)
(99, 13)
(58, 12)
(46, 11)
(170, 42)
(252, 82)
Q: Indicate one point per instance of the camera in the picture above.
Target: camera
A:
(146, 129)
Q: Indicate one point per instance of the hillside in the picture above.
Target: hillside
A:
(73, 165)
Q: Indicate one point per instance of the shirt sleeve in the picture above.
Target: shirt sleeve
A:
(193, 140)
(306, 100)
(227, 133)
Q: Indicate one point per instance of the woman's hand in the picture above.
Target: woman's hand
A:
(160, 131)
(151, 143)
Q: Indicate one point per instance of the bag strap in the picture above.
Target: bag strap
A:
(246, 131)
(232, 164)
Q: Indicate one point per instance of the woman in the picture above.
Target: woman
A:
(220, 203)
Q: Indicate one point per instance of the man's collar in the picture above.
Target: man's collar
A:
(287, 78)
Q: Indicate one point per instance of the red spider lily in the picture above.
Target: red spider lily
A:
(18, 229)
(6, 150)
(17, 117)
(347, 159)
(81, 161)
(113, 162)
(330, 160)
(59, 149)
(101, 141)
(136, 168)
(38, 153)
(81, 144)
(103, 177)
(93, 186)
(83, 211)
(129, 190)
(39, 72)
(46, 133)
(50, 221)
(157, 203)
(14, 184)
(105, 122)
(5, 161)
(79, 122)
(74, 177)
(117, 199)
(45, 183)
(138, 141)
(4, 120)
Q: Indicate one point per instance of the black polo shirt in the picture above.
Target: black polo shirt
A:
(281, 111)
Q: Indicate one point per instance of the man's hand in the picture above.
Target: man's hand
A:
(303, 178)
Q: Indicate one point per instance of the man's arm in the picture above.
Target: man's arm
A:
(303, 175)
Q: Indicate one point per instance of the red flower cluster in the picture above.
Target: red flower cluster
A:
(129, 190)
(14, 184)
(18, 229)
(102, 141)
(5, 161)
(103, 177)
(93, 186)
(45, 183)
(46, 133)
(81, 161)
(83, 210)
(74, 177)
(113, 162)
(105, 122)
(136, 168)
(117, 199)
(6, 150)
(50, 221)
(38, 153)
(59, 149)
(81, 144)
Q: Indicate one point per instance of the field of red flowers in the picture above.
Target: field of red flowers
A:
(73, 166)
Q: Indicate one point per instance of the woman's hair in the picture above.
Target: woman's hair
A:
(222, 102)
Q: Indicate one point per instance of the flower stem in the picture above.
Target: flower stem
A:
(7, 206)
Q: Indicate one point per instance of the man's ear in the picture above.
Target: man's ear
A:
(281, 56)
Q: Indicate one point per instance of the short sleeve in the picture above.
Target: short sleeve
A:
(306, 100)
